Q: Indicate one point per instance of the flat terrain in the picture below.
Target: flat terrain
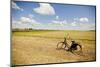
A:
(39, 47)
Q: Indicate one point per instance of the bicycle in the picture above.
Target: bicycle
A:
(75, 47)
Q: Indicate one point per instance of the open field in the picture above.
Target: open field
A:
(39, 47)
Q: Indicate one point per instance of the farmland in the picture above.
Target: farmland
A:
(39, 46)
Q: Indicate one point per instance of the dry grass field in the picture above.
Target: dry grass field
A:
(39, 47)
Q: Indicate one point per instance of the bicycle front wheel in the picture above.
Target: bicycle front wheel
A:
(60, 45)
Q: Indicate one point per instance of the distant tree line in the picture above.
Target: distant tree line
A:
(24, 29)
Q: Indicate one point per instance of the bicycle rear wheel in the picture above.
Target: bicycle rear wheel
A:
(78, 51)
(79, 48)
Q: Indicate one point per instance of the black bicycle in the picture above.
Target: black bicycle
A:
(75, 47)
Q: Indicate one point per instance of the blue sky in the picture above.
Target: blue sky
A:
(52, 16)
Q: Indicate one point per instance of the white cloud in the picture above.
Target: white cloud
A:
(87, 26)
(61, 23)
(25, 22)
(15, 24)
(74, 23)
(83, 23)
(15, 6)
(84, 19)
(28, 20)
(45, 9)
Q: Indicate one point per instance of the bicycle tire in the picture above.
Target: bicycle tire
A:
(60, 45)
(78, 51)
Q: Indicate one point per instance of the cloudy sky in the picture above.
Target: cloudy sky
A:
(52, 16)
